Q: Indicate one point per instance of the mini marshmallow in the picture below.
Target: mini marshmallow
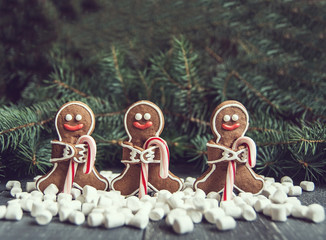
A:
(50, 197)
(269, 179)
(163, 205)
(75, 193)
(211, 215)
(90, 194)
(114, 220)
(22, 195)
(64, 196)
(133, 203)
(183, 224)
(13, 184)
(278, 196)
(37, 195)
(156, 214)
(14, 201)
(163, 195)
(200, 194)
(268, 190)
(145, 209)
(195, 215)
(200, 203)
(87, 208)
(172, 215)
(175, 201)
(53, 208)
(248, 213)
(37, 178)
(261, 204)
(3, 210)
(188, 191)
(37, 207)
(77, 218)
(307, 186)
(211, 203)
(233, 211)
(30, 186)
(288, 208)
(267, 210)
(27, 204)
(286, 179)
(315, 213)
(15, 190)
(293, 200)
(214, 195)
(147, 198)
(295, 191)
(95, 219)
(278, 213)
(64, 213)
(51, 189)
(14, 212)
(104, 202)
(139, 221)
(299, 211)
(127, 213)
(190, 180)
(225, 223)
(44, 217)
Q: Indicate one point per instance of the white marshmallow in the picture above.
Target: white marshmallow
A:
(225, 223)
(50, 197)
(267, 210)
(104, 202)
(127, 213)
(156, 214)
(315, 213)
(175, 201)
(278, 213)
(22, 195)
(163, 205)
(188, 191)
(200, 203)
(51, 189)
(286, 179)
(37, 178)
(278, 196)
(14, 212)
(15, 190)
(75, 193)
(214, 195)
(211, 203)
(299, 211)
(295, 191)
(95, 219)
(37, 208)
(200, 194)
(183, 224)
(307, 186)
(64, 213)
(53, 208)
(12, 184)
(64, 196)
(163, 195)
(44, 217)
(77, 218)
(172, 215)
(30, 186)
(133, 203)
(268, 190)
(139, 221)
(37, 195)
(233, 211)
(114, 220)
(190, 180)
(269, 179)
(14, 201)
(293, 200)
(248, 213)
(3, 210)
(195, 215)
(211, 215)
(87, 208)
(27, 204)
(90, 194)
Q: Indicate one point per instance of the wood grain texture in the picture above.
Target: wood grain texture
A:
(262, 228)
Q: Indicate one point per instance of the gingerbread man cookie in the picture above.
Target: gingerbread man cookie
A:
(73, 154)
(145, 154)
(231, 156)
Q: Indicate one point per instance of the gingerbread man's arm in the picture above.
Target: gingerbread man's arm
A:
(62, 151)
(214, 153)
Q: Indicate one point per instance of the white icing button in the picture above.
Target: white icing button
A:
(235, 117)
(78, 117)
(226, 118)
(147, 116)
(68, 117)
(138, 116)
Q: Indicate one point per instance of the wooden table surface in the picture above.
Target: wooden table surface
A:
(261, 228)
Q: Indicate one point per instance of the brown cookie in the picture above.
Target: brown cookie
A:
(73, 121)
(144, 122)
(229, 123)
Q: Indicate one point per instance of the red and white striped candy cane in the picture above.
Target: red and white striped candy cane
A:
(88, 167)
(230, 176)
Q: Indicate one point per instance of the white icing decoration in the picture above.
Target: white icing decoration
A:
(156, 108)
(147, 116)
(235, 117)
(78, 117)
(138, 116)
(226, 118)
(79, 104)
(218, 136)
(66, 150)
(68, 117)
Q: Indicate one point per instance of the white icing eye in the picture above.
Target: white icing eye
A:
(68, 117)
(78, 117)
(138, 116)
(226, 118)
(147, 116)
(235, 117)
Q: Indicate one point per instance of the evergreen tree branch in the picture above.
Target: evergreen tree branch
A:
(66, 86)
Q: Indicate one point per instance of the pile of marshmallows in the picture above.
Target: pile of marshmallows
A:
(181, 210)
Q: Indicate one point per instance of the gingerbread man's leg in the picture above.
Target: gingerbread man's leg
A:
(213, 179)
(128, 181)
(248, 181)
(172, 183)
(56, 176)
(94, 179)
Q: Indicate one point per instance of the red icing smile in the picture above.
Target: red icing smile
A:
(142, 126)
(73, 128)
(230, 127)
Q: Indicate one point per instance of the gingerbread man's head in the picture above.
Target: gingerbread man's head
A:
(229, 121)
(74, 119)
(143, 120)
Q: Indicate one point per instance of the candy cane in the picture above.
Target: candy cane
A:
(143, 180)
(164, 154)
(229, 181)
(251, 146)
(88, 167)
